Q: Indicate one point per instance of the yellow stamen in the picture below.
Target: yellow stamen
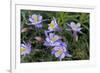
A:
(22, 49)
(54, 39)
(59, 52)
(35, 18)
(52, 25)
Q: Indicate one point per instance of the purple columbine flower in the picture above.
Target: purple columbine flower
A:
(75, 28)
(53, 26)
(25, 49)
(52, 40)
(60, 51)
(36, 20)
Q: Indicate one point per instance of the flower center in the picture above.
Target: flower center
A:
(60, 51)
(36, 18)
(52, 25)
(54, 39)
(22, 49)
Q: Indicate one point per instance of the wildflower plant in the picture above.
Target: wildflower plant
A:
(53, 26)
(48, 36)
(25, 49)
(36, 20)
(52, 40)
(75, 28)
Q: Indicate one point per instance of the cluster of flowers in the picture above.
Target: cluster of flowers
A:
(59, 47)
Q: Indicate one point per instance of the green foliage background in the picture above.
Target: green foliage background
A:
(79, 50)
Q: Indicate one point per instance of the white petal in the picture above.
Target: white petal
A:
(79, 29)
(72, 24)
(62, 56)
(78, 24)
(40, 18)
(56, 48)
(68, 55)
(51, 35)
(47, 39)
(31, 20)
(57, 54)
(34, 15)
(52, 22)
(64, 49)
(56, 43)
(22, 45)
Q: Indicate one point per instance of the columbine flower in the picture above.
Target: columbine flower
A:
(75, 28)
(36, 20)
(25, 48)
(52, 40)
(60, 51)
(53, 26)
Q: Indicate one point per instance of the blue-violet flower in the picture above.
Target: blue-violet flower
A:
(53, 26)
(75, 28)
(36, 20)
(25, 49)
